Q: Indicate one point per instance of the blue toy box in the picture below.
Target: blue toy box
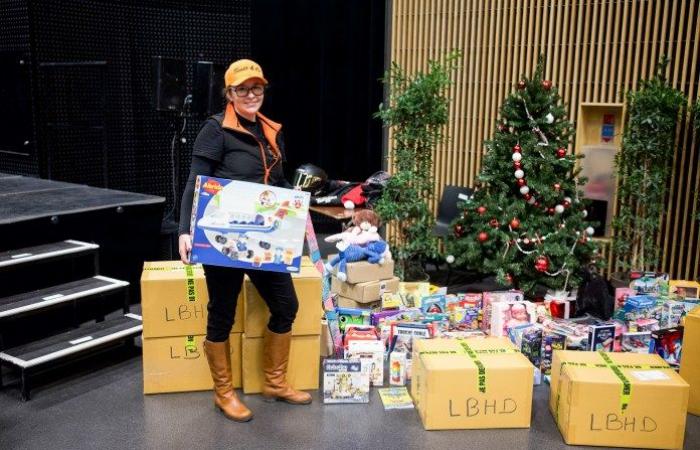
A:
(248, 225)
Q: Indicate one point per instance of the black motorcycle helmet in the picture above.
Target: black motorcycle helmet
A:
(310, 178)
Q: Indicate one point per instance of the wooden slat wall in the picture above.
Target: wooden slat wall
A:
(594, 50)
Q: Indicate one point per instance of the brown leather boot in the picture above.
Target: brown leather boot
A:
(225, 397)
(275, 360)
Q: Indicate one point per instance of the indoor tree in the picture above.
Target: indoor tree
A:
(416, 113)
(643, 167)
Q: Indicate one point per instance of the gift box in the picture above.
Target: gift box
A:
(471, 383)
(344, 381)
(248, 225)
(617, 400)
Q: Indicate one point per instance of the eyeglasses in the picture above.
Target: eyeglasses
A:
(242, 91)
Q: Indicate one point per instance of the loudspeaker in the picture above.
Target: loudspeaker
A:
(170, 87)
(597, 212)
(207, 96)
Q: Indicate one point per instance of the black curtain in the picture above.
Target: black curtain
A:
(324, 60)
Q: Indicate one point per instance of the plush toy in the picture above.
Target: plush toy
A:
(374, 252)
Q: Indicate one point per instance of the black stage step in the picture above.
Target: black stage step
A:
(72, 342)
(21, 303)
(13, 258)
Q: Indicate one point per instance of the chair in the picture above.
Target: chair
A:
(447, 209)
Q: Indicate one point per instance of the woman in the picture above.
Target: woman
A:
(242, 144)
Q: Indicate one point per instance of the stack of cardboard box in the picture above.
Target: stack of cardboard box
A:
(174, 306)
(365, 284)
(302, 372)
(174, 303)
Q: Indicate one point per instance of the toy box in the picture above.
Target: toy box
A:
(413, 292)
(471, 383)
(352, 316)
(636, 342)
(433, 304)
(391, 300)
(508, 314)
(650, 282)
(668, 343)
(617, 400)
(672, 313)
(371, 355)
(403, 335)
(684, 288)
(489, 298)
(551, 341)
(621, 295)
(359, 333)
(248, 225)
(344, 381)
(601, 337)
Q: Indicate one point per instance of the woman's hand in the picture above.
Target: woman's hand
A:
(185, 247)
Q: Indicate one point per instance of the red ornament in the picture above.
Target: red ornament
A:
(522, 182)
(557, 186)
(566, 203)
(547, 85)
(509, 278)
(527, 196)
(493, 223)
(481, 210)
(459, 230)
(542, 264)
(550, 211)
(517, 148)
(517, 165)
(537, 204)
(561, 152)
(483, 236)
(514, 223)
(521, 84)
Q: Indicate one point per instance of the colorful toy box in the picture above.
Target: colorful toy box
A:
(248, 225)
(344, 381)
(617, 400)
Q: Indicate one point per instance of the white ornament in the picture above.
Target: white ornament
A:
(549, 118)
(450, 259)
(349, 204)
(517, 156)
(590, 231)
(567, 199)
(519, 174)
(585, 213)
(524, 190)
(559, 209)
(532, 200)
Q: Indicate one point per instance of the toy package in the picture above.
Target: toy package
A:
(352, 316)
(470, 300)
(637, 342)
(531, 345)
(685, 289)
(413, 292)
(672, 313)
(344, 381)
(396, 398)
(650, 282)
(433, 304)
(621, 295)
(248, 225)
(391, 301)
(488, 298)
(505, 315)
(464, 318)
(601, 337)
(668, 343)
(644, 325)
(403, 333)
(359, 333)
(371, 355)
(335, 333)
(551, 341)
(397, 368)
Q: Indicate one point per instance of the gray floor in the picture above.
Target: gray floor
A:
(102, 407)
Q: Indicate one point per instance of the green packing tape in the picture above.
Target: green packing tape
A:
(191, 289)
(466, 349)
(626, 384)
(190, 344)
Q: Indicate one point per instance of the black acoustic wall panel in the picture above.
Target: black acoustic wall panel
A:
(93, 84)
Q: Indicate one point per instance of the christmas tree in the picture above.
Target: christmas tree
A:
(526, 220)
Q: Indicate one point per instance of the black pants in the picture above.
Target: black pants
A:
(224, 285)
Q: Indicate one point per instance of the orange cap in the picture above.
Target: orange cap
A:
(242, 70)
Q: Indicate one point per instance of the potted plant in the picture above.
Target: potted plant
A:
(643, 167)
(416, 112)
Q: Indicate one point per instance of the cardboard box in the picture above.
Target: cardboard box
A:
(588, 404)
(451, 393)
(174, 300)
(248, 225)
(363, 271)
(326, 341)
(690, 362)
(302, 372)
(307, 284)
(344, 302)
(368, 292)
(178, 364)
